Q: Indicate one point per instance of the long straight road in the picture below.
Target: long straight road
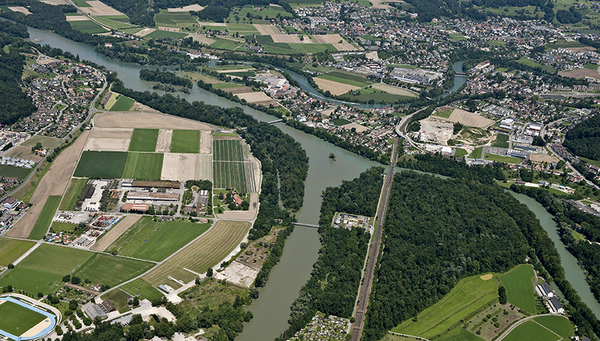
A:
(373, 253)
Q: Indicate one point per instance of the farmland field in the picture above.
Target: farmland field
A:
(459, 334)
(230, 175)
(165, 18)
(72, 195)
(228, 150)
(14, 172)
(87, 26)
(156, 241)
(557, 324)
(500, 158)
(143, 140)
(119, 299)
(47, 142)
(531, 331)
(12, 249)
(17, 319)
(111, 270)
(205, 252)
(501, 141)
(158, 34)
(43, 222)
(469, 295)
(117, 25)
(345, 78)
(185, 141)
(122, 104)
(139, 286)
(519, 287)
(107, 165)
(44, 268)
(143, 166)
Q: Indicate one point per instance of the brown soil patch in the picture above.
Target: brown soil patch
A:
(235, 70)
(137, 106)
(19, 9)
(469, 119)
(99, 8)
(346, 47)
(542, 158)
(53, 183)
(201, 38)
(23, 152)
(180, 167)
(334, 87)
(195, 7)
(107, 144)
(486, 277)
(359, 128)
(115, 232)
(289, 38)
(579, 49)
(146, 31)
(146, 120)
(163, 143)
(394, 90)
(38, 328)
(267, 30)
(111, 133)
(253, 97)
(170, 29)
(55, 2)
(238, 90)
(205, 143)
(267, 103)
(77, 18)
(580, 73)
(329, 39)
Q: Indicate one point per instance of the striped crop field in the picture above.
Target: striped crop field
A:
(205, 252)
(230, 175)
(228, 150)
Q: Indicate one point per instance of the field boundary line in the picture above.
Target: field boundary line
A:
(408, 335)
(513, 326)
(461, 309)
(541, 325)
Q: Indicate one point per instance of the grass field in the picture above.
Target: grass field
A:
(44, 268)
(156, 241)
(229, 175)
(531, 331)
(97, 165)
(469, 295)
(500, 158)
(143, 166)
(443, 113)
(47, 142)
(207, 251)
(141, 287)
(476, 153)
(166, 18)
(557, 324)
(72, 195)
(12, 249)
(185, 141)
(123, 104)
(340, 121)
(459, 334)
(228, 150)
(158, 34)
(265, 11)
(529, 62)
(143, 140)
(14, 172)
(87, 26)
(368, 93)
(519, 287)
(58, 226)
(590, 161)
(345, 78)
(114, 24)
(81, 3)
(43, 222)
(225, 85)
(460, 152)
(119, 299)
(501, 141)
(111, 270)
(225, 44)
(17, 319)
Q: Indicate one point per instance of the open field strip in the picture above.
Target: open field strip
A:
(558, 324)
(53, 183)
(335, 88)
(146, 120)
(72, 195)
(115, 232)
(163, 141)
(519, 287)
(469, 119)
(346, 78)
(205, 168)
(469, 295)
(228, 150)
(180, 166)
(111, 270)
(112, 100)
(47, 142)
(123, 104)
(45, 219)
(230, 175)
(531, 331)
(206, 143)
(143, 140)
(98, 8)
(44, 268)
(185, 141)
(106, 165)
(394, 90)
(186, 9)
(205, 252)
(12, 249)
(143, 166)
(155, 241)
(141, 287)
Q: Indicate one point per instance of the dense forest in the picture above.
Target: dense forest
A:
(437, 232)
(333, 285)
(165, 78)
(14, 103)
(584, 138)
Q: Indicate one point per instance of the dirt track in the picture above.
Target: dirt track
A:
(115, 232)
(53, 183)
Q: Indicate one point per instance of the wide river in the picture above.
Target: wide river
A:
(271, 309)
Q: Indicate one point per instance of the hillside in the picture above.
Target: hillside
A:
(584, 138)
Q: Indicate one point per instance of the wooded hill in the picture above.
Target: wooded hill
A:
(584, 138)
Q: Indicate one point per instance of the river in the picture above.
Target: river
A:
(271, 309)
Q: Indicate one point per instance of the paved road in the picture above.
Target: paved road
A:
(373, 253)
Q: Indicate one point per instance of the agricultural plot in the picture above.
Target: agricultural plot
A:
(226, 44)
(180, 166)
(531, 331)
(87, 26)
(142, 288)
(14, 172)
(122, 104)
(111, 270)
(45, 218)
(12, 249)
(205, 168)
(44, 268)
(501, 141)
(17, 319)
(158, 34)
(228, 150)
(118, 298)
(143, 166)
(468, 296)
(47, 142)
(469, 119)
(266, 11)
(368, 93)
(101, 165)
(114, 24)
(143, 140)
(205, 252)
(185, 141)
(558, 324)
(346, 78)
(166, 18)
(154, 241)
(230, 175)
(519, 287)
(72, 195)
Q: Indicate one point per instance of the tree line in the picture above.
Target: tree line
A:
(165, 78)
(584, 138)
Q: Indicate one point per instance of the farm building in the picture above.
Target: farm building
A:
(141, 208)
(544, 290)
(157, 184)
(151, 196)
(555, 306)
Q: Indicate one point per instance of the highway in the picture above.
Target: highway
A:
(373, 252)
